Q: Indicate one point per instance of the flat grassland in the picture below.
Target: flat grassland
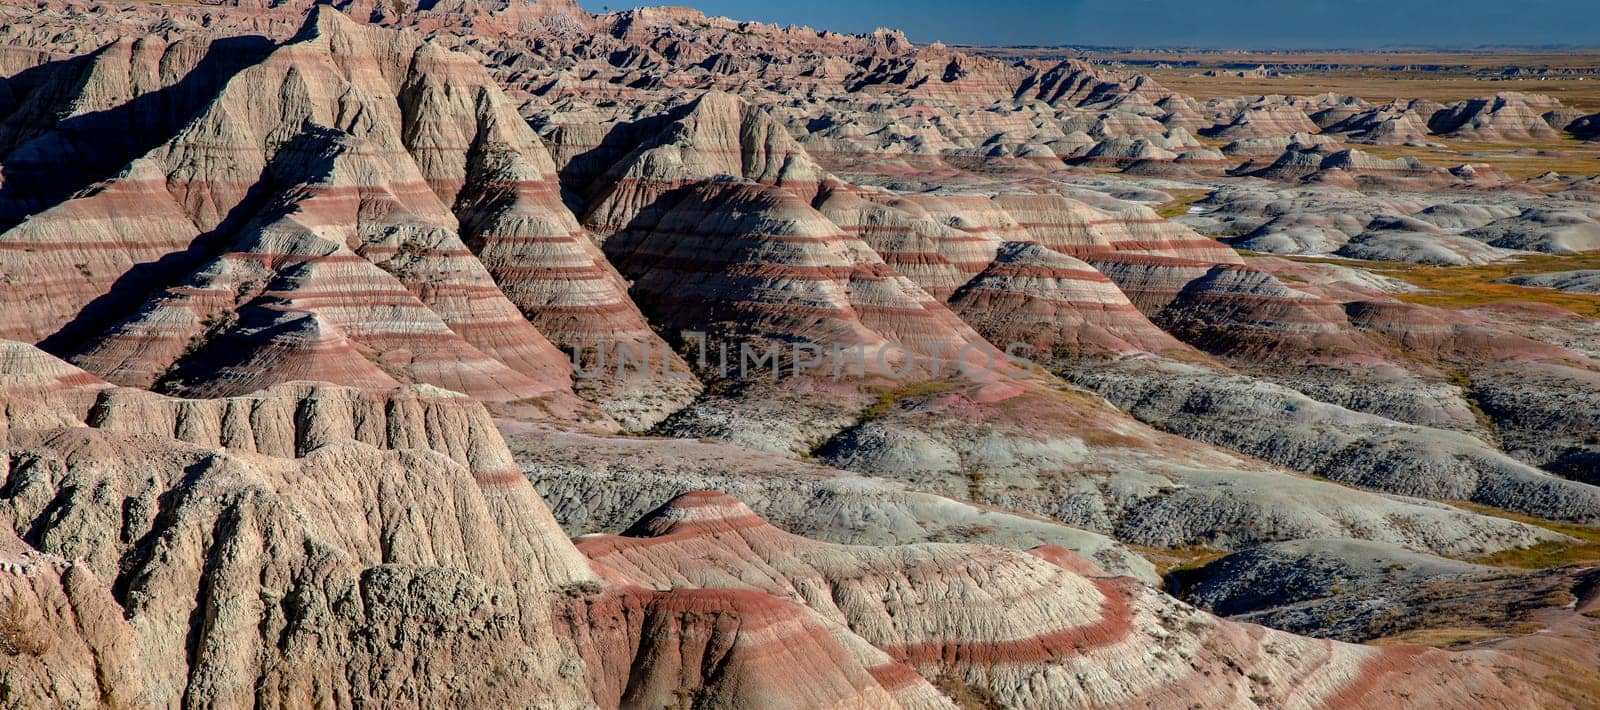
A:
(1379, 76)
(1520, 160)
(1378, 86)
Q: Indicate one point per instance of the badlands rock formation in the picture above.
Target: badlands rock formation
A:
(1358, 591)
(318, 322)
(1585, 281)
(1043, 606)
(249, 278)
(321, 526)
(1504, 116)
(207, 519)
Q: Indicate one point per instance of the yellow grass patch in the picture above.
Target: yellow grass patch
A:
(1447, 637)
(1458, 287)
(1555, 553)
(889, 399)
(1178, 206)
(1179, 559)
(1520, 160)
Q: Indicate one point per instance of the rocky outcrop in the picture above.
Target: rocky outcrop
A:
(1264, 120)
(1288, 428)
(938, 241)
(1286, 573)
(1055, 303)
(744, 260)
(599, 484)
(321, 196)
(1395, 123)
(86, 117)
(1586, 128)
(1415, 241)
(1582, 281)
(508, 197)
(1114, 233)
(289, 420)
(716, 135)
(61, 631)
(347, 536)
(1273, 146)
(1351, 168)
(329, 566)
(730, 647)
(1545, 229)
(1090, 467)
(705, 540)
(350, 250)
(1362, 592)
(38, 390)
(1506, 116)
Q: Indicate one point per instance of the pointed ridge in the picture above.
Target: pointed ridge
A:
(698, 512)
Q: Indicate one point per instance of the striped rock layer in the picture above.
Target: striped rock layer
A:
(1054, 302)
(315, 529)
(353, 527)
(1038, 628)
(301, 226)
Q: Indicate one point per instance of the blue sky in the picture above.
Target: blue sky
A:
(1237, 23)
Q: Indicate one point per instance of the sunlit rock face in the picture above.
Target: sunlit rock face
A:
(308, 310)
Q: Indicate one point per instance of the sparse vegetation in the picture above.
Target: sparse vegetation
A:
(1381, 85)
(1440, 637)
(581, 588)
(684, 698)
(211, 326)
(1105, 439)
(961, 533)
(1181, 200)
(889, 399)
(1460, 287)
(22, 631)
(975, 486)
(1520, 160)
(1553, 553)
(1463, 380)
(967, 697)
(1178, 560)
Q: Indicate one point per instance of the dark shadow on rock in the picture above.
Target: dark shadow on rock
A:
(310, 155)
(45, 165)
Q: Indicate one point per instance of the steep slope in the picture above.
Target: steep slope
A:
(84, 118)
(327, 189)
(1056, 304)
(328, 553)
(325, 554)
(653, 648)
(751, 264)
(1506, 116)
(337, 558)
(710, 219)
(63, 636)
(349, 250)
(597, 484)
(751, 260)
(717, 134)
(1045, 608)
(1195, 288)
(1356, 592)
(513, 219)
